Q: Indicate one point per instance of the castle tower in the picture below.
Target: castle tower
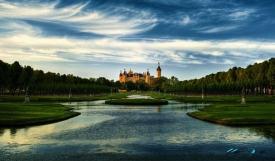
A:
(147, 77)
(120, 76)
(158, 71)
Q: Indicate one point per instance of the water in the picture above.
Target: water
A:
(134, 130)
(139, 97)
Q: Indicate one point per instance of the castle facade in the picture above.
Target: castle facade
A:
(134, 76)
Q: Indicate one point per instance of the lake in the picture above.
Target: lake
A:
(163, 130)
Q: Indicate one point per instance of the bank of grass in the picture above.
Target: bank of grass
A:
(56, 98)
(237, 114)
(212, 99)
(137, 102)
(227, 110)
(20, 114)
(42, 109)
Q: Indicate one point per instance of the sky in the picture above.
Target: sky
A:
(100, 38)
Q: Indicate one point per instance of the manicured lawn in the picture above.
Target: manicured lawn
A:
(237, 114)
(137, 102)
(259, 110)
(21, 98)
(20, 114)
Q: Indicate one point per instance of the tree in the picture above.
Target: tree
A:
(131, 85)
(271, 72)
(118, 84)
(15, 72)
(231, 75)
(26, 76)
(173, 80)
(142, 85)
(156, 84)
(260, 74)
(4, 74)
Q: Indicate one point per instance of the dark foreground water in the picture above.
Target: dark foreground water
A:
(107, 132)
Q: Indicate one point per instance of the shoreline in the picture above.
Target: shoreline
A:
(15, 114)
(36, 123)
(253, 114)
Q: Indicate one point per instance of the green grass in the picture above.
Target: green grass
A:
(137, 102)
(21, 98)
(238, 114)
(259, 110)
(20, 114)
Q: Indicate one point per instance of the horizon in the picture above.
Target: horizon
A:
(87, 38)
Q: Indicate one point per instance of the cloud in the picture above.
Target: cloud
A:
(75, 16)
(241, 14)
(214, 53)
(37, 48)
(217, 29)
(186, 20)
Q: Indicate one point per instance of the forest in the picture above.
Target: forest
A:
(257, 79)
(14, 79)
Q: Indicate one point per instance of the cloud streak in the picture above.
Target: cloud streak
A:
(109, 49)
(75, 16)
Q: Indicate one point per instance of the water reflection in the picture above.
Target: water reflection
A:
(265, 131)
(158, 109)
(2, 131)
(136, 129)
(139, 97)
(13, 132)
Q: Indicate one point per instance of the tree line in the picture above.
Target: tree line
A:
(254, 79)
(14, 79)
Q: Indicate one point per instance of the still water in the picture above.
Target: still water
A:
(156, 130)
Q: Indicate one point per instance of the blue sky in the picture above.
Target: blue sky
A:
(98, 38)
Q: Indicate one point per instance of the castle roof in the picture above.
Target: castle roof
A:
(159, 69)
(132, 75)
(130, 72)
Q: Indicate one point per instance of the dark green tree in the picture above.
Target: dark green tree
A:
(26, 76)
(131, 86)
(271, 72)
(15, 73)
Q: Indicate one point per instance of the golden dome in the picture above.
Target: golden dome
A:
(130, 72)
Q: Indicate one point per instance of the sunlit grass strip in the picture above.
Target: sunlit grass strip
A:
(19, 114)
(137, 102)
(238, 115)
(182, 98)
(63, 98)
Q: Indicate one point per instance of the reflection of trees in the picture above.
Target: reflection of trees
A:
(158, 109)
(266, 131)
(13, 131)
(2, 131)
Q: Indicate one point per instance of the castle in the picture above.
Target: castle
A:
(131, 76)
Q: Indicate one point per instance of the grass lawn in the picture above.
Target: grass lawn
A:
(41, 109)
(20, 114)
(56, 98)
(259, 110)
(237, 114)
(137, 102)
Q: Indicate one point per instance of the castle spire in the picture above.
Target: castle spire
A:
(158, 71)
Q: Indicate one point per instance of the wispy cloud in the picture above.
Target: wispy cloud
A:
(218, 29)
(109, 49)
(241, 14)
(75, 16)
